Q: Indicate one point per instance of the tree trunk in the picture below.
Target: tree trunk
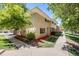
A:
(16, 32)
(20, 32)
(23, 32)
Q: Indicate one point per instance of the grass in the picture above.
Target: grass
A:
(73, 37)
(73, 51)
(5, 43)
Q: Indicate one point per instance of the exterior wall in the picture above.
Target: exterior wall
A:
(39, 22)
(53, 27)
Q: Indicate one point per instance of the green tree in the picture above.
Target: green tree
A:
(14, 16)
(69, 13)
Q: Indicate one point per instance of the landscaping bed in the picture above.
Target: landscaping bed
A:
(28, 39)
(22, 38)
(5, 43)
(45, 43)
(53, 38)
(50, 41)
(73, 49)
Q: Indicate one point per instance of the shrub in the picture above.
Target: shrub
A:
(30, 36)
(52, 39)
(58, 33)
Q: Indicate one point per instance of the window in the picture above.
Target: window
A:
(45, 19)
(42, 30)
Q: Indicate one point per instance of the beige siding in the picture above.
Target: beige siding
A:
(39, 22)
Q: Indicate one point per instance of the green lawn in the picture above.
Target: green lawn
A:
(5, 43)
(73, 37)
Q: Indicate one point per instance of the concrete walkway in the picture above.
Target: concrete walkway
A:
(17, 42)
(34, 52)
(59, 44)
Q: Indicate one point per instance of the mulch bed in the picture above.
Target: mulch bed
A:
(34, 42)
(22, 38)
(25, 40)
(42, 38)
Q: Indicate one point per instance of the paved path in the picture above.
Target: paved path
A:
(34, 52)
(56, 51)
(17, 42)
(59, 44)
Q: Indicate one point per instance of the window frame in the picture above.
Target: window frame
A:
(42, 30)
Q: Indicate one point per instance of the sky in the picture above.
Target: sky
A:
(44, 8)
